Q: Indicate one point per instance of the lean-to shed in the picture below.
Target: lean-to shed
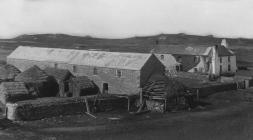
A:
(62, 76)
(13, 91)
(82, 86)
(113, 72)
(8, 72)
(38, 81)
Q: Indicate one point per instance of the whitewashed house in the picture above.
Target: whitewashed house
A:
(217, 60)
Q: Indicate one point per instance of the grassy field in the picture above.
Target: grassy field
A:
(242, 47)
(227, 116)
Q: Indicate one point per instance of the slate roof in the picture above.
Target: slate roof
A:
(14, 88)
(191, 50)
(58, 74)
(8, 72)
(132, 61)
(223, 51)
(182, 49)
(32, 75)
(83, 82)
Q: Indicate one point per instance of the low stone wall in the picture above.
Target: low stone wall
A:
(44, 108)
(54, 106)
(211, 89)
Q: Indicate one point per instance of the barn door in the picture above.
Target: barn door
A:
(105, 88)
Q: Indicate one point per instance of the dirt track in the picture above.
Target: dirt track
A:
(225, 119)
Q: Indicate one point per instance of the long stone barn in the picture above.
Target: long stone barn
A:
(113, 72)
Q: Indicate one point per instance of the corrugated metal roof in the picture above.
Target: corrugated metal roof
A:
(133, 61)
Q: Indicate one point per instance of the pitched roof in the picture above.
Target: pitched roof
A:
(14, 88)
(192, 50)
(182, 49)
(84, 82)
(32, 75)
(133, 61)
(8, 72)
(58, 74)
(170, 60)
(223, 51)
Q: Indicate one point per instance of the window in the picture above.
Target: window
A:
(179, 59)
(95, 71)
(229, 67)
(177, 68)
(196, 58)
(105, 88)
(195, 69)
(56, 65)
(220, 59)
(220, 68)
(162, 57)
(228, 58)
(74, 69)
(118, 73)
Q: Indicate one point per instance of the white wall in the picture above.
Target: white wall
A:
(225, 64)
(201, 65)
(169, 61)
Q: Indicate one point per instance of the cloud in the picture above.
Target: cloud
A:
(123, 18)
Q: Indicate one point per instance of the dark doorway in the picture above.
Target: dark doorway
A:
(105, 88)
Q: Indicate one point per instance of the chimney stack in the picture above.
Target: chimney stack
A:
(224, 43)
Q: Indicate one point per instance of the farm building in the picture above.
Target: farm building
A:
(38, 82)
(82, 86)
(112, 72)
(217, 60)
(168, 60)
(13, 91)
(8, 72)
(62, 77)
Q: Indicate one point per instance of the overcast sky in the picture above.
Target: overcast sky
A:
(124, 18)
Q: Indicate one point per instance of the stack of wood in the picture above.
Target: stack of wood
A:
(160, 87)
(156, 89)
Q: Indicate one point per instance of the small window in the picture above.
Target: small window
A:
(74, 69)
(229, 67)
(220, 68)
(118, 73)
(195, 69)
(220, 59)
(228, 58)
(179, 59)
(56, 65)
(95, 71)
(162, 57)
(177, 68)
(195, 59)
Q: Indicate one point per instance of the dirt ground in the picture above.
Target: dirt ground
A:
(228, 116)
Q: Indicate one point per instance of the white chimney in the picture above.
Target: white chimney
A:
(215, 58)
(224, 43)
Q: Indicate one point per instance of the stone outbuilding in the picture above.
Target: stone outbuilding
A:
(38, 82)
(8, 72)
(82, 86)
(62, 76)
(13, 92)
(113, 72)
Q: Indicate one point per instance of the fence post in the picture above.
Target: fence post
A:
(197, 94)
(141, 96)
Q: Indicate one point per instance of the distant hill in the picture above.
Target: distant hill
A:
(242, 46)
